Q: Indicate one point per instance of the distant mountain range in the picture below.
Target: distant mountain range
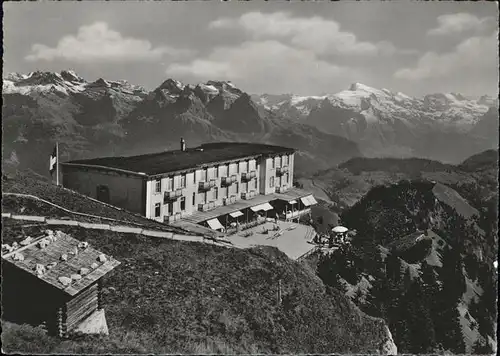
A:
(115, 118)
(384, 123)
(476, 178)
(107, 117)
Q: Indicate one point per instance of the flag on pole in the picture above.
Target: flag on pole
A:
(53, 161)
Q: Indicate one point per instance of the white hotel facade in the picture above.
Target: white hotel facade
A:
(203, 185)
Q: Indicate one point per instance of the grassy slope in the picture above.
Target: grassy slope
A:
(170, 296)
(31, 184)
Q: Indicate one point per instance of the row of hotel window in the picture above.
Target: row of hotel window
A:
(215, 195)
(170, 181)
(170, 207)
(204, 197)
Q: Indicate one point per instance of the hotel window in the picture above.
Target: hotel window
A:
(285, 160)
(237, 167)
(216, 193)
(255, 183)
(237, 187)
(216, 171)
(170, 208)
(158, 186)
(169, 184)
(194, 177)
(206, 174)
(248, 166)
(271, 182)
(286, 178)
(183, 203)
(278, 162)
(272, 163)
(183, 181)
(194, 199)
(157, 210)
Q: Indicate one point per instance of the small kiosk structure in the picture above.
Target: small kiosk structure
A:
(338, 236)
(55, 281)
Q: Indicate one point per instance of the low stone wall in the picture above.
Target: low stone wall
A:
(121, 228)
(73, 212)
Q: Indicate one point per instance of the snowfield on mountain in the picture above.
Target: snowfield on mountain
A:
(387, 123)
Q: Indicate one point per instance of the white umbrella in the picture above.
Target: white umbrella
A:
(340, 229)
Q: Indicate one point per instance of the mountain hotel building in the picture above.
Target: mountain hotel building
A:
(212, 184)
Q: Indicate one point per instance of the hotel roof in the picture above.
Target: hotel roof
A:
(173, 161)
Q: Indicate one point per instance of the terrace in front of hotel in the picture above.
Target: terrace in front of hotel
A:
(266, 220)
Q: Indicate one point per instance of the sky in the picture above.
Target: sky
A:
(304, 48)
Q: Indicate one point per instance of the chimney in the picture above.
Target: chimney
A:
(183, 145)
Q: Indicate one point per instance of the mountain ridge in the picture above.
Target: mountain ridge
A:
(386, 123)
(107, 117)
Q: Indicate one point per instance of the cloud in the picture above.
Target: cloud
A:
(472, 55)
(458, 23)
(97, 42)
(281, 67)
(315, 34)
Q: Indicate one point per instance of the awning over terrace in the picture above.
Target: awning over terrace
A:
(265, 207)
(236, 214)
(308, 200)
(312, 200)
(305, 200)
(292, 202)
(215, 224)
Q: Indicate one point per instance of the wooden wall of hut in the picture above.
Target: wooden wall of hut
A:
(81, 306)
(28, 300)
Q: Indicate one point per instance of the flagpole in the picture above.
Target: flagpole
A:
(57, 163)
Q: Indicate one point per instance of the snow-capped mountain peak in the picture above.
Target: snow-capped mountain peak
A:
(367, 114)
(43, 82)
(361, 87)
(173, 86)
(296, 99)
(66, 83)
(224, 86)
(488, 100)
(14, 76)
(102, 82)
(208, 88)
(402, 96)
(71, 76)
